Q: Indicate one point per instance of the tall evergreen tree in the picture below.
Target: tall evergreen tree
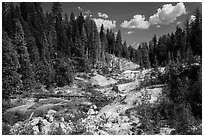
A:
(56, 10)
(144, 55)
(125, 50)
(11, 82)
(196, 33)
(104, 43)
(118, 44)
(26, 67)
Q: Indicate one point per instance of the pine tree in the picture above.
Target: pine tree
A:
(153, 49)
(104, 43)
(74, 28)
(189, 56)
(187, 33)
(196, 33)
(4, 13)
(80, 21)
(26, 67)
(124, 50)
(57, 16)
(118, 44)
(56, 10)
(10, 21)
(151, 54)
(145, 55)
(11, 82)
(111, 42)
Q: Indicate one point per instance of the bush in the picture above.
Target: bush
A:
(5, 129)
(63, 75)
(105, 70)
(80, 64)
(182, 96)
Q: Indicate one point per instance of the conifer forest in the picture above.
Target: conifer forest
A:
(63, 74)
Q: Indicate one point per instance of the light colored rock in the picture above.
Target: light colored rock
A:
(35, 130)
(127, 86)
(129, 75)
(166, 131)
(46, 107)
(100, 80)
(128, 66)
(91, 112)
(162, 69)
(107, 111)
(62, 119)
(63, 127)
(101, 132)
(125, 126)
(51, 112)
(51, 100)
(108, 125)
(131, 98)
(154, 94)
(35, 121)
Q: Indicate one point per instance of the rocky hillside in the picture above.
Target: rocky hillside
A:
(114, 103)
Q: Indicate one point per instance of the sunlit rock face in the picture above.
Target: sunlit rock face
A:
(86, 112)
(99, 80)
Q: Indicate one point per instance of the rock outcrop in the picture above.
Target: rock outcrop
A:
(100, 104)
(99, 80)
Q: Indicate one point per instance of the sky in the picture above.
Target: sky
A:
(137, 21)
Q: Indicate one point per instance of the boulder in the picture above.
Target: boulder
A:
(127, 86)
(127, 65)
(50, 115)
(166, 131)
(154, 94)
(99, 80)
(42, 110)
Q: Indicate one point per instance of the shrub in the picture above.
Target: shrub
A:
(63, 75)
(5, 129)
(105, 70)
(182, 96)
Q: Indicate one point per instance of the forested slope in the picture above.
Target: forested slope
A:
(63, 66)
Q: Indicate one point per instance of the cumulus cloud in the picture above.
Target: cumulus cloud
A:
(86, 13)
(138, 21)
(167, 14)
(106, 23)
(79, 8)
(103, 15)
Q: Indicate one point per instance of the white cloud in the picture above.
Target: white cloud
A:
(106, 23)
(167, 14)
(88, 12)
(138, 21)
(79, 8)
(130, 32)
(105, 16)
